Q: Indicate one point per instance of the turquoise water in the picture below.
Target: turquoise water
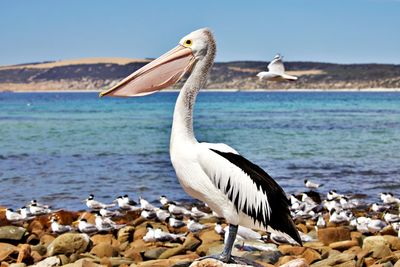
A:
(60, 147)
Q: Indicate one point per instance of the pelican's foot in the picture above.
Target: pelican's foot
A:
(231, 259)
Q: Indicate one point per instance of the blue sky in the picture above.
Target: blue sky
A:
(339, 31)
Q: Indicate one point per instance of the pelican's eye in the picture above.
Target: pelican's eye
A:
(188, 43)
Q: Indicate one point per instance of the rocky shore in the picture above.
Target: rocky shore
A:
(32, 242)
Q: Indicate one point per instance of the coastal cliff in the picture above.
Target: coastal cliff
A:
(98, 74)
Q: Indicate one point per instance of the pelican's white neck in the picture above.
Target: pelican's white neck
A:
(182, 125)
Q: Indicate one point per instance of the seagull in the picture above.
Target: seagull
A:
(175, 223)
(195, 212)
(34, 209)
(231, 185)
(218, 229)
(96, 205)
(13, 216)
(173, 209)
(125, 203)
(85, 227)
(276, 71)
(162, 214)
(160, 235)
(164, 200)
(194, 226)
(311, 185)
(144, 204)
(59, 228)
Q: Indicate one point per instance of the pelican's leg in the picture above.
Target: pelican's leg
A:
(226, 254)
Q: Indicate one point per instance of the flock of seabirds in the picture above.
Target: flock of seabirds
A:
(176, 215)
(231, 186)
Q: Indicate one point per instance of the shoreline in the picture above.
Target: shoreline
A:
(223, 90)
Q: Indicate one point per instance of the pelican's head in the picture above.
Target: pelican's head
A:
(168, 68)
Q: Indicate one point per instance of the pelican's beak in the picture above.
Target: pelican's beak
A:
(158, 74)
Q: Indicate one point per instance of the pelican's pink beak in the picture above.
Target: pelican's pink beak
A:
(158, 74)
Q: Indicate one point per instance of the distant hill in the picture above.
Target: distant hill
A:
(101, 73)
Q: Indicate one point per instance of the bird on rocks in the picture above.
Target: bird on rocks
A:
(321, 223)
(176, 210)
(388, 198)
(149, 236)
(85, 227)
(162, 236)
(59, 228)
(194, 226)
(332, 194)
(219, 229)
(144, 204)
(34, 209)
(311, 185)
(276, 71)
(13, 216)
(148, 214)
(196, 213)
(91, 203)
(105, 224)
(109, 213)
(175, 223)
(34, 201)
(164, 200)
(162, 214)
(125, 203)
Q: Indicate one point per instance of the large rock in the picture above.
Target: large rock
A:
(393, 241)
(68, 244)
(6, 250)
(97, 239)
(104, 250)
(333, 234)
(191, 243)
(24, 254)
(291, 250)
(154, 253)
(125, 234)
(334, 260)
(310, 255)
(83, 263)
(296, 263)
(49, 262)
(263, 256)
(11, 232)
(213, 263)
(378, 246)
(343, 245)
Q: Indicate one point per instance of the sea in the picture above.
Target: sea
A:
(60, 147)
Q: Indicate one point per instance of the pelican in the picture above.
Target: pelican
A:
(232, 186)
(276, 71)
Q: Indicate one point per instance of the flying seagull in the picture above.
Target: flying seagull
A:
(232, 186)
(276, 71)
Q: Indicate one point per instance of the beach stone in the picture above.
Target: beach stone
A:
(17, 265)
(212, 263)
(284, 259)
(209, 236)
(351, 263)
(85, 262)
(41, 249)
(343, 245)
(133, 254)
(378, 246)
(104, 250)
(334, 260)
(64, 259)
(36, 227)
(191, 243)
(24, 254)
(393, 241)
(369, 261)
(291, 250)
(11, 232)
(49, 262)
(296, 263)
(33, 239)
(68, 244)
(310, 256)
(125, 234)
(154, 253)
(397, 264)
(333, 234)
(302, 227)
(6, 250)
(97, 239)
(106, 262)
(46, 239)
(139, 245)
(263, 256)
(36, 256)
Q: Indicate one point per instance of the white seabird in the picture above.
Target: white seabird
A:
(232, 186)
(59, 228)
(85, 227)
(276, 71)
(311, 185)
(91, 203)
